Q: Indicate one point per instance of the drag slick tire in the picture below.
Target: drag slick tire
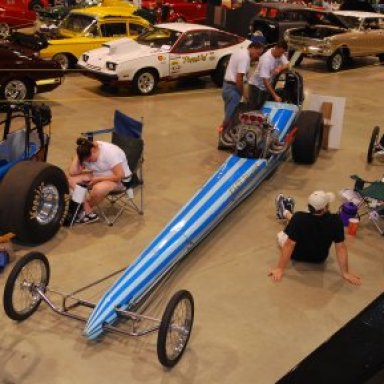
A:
(175, 328)
(308, 139)
(33, 201)
(20, 297)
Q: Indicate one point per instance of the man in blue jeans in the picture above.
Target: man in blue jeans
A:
(233, 86)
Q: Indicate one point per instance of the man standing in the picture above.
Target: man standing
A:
(233, 86)
(271, 63)
(309, 235)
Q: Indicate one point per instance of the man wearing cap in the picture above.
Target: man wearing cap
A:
(309, 235)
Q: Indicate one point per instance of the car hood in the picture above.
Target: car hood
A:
(327, 19)
(124, 50)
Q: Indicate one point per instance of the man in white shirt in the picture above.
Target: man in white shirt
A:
(271, 63)
(233, 86)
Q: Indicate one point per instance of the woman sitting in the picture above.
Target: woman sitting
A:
(101, 166)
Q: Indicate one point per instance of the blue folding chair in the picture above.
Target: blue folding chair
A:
(126, 134)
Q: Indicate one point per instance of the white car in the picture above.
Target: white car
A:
(165, 52)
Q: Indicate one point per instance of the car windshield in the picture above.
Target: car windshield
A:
(78, 23)
(157, 37)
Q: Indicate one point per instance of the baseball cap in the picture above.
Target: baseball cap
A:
(320, 199)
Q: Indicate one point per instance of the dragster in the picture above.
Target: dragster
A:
(260, 141)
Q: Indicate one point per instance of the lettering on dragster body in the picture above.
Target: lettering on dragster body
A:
(195, 59)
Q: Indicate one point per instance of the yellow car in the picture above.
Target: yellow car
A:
(86, 29)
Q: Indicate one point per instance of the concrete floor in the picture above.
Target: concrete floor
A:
(247, 329)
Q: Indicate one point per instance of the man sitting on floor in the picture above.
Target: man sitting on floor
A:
(309, 235)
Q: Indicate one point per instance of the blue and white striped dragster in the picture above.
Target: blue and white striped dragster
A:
(230, 184)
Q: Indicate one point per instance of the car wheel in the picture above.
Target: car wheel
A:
(34, 199)
(16, 90)
(307, 142)
(175, 328)
(218, 74)
(4, 30)
(336, 61)
(20, 298)
(381, 57)
(145, 81)
(64, 60)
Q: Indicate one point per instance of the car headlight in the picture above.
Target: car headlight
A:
(85, 57)
(111, 66)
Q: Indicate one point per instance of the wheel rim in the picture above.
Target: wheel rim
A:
(146, 82)
(62, 60)
(25, 297)
(337, 61)
(46, 204)
(15, 90)
(4, 30)
(179, 329)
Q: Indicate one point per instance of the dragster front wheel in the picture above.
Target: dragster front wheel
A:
(20, 293)
(175, 328)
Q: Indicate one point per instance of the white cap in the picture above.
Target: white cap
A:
(320, 199)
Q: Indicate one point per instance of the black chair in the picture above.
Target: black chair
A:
(126, 134)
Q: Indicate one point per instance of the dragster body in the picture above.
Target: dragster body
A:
(235, 179)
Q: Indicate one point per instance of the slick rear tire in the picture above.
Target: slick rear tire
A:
(308, 139)
(34, 200)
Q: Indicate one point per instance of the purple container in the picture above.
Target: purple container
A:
(347, 211)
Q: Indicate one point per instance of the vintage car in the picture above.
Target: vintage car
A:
(190, 11)
(273, 19)
(18, 14)
(165, 52)
(90, 28)
(340, 36)
(23, 72)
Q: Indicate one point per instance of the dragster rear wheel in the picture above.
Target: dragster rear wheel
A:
(373, 143)
(175, 328)
(308, 139)
(20, 297)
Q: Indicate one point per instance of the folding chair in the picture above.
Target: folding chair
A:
(126, 134)
(370, 200)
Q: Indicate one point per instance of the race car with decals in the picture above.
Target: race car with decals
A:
(165, 52)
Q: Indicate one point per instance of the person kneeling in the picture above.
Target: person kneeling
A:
(101, 166)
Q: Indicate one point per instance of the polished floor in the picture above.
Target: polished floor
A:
(247, 329)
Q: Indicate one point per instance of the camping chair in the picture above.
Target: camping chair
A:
(126, 134)
(370, 200)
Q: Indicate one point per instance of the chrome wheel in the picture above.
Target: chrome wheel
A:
(63, 60)
(146, 83)
(47, 202)
(16, 90)
(21, 297)
(175, 328)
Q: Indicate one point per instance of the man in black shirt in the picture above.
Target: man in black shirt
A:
(309, 235)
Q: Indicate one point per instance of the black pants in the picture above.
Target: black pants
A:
(257, 97)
